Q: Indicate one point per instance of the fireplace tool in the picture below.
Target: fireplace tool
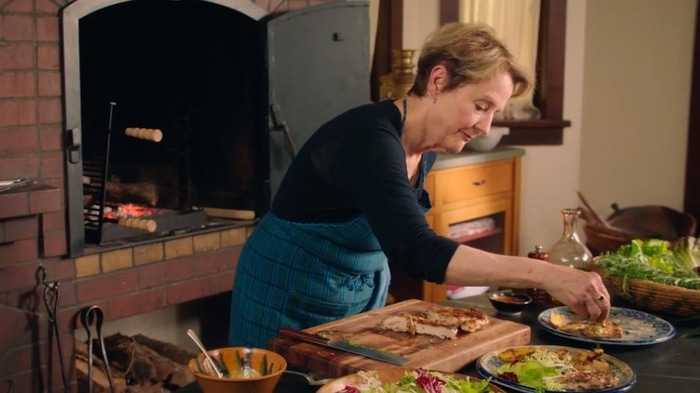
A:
(88, 316)
(97, 170)
(51, 302)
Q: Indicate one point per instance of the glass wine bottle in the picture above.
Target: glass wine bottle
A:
(569, 250)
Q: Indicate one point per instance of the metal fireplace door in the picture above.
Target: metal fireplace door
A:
(318, 60)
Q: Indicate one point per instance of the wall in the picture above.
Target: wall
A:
(420, 18)
(550, 174)
(636, 101)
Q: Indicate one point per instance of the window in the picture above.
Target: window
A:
(549, 91)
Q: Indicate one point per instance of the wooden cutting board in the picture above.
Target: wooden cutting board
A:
(421, 350)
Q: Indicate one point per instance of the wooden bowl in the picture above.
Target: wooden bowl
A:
(599, 242)
(638, 222)
(236, 383)
(653, 221)
(386, 375)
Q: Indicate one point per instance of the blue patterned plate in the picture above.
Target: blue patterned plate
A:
(639, 328)
(488, 366)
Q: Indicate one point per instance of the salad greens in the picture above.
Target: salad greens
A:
(530, 373)
(421, 381)
(657, 261)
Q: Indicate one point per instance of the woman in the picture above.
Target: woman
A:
(354, 196)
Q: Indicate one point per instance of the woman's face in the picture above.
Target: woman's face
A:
(466, 112)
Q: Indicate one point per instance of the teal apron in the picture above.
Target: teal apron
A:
(298, 275)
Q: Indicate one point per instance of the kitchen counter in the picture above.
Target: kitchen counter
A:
(467, 157)
(673, 366)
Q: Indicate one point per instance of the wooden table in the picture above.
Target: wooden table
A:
(673, 366)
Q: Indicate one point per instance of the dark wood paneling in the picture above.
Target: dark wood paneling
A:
(692, 169)
(389, 37)
(550, 59)
(449, 11)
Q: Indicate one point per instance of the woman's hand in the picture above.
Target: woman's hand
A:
(584, 292)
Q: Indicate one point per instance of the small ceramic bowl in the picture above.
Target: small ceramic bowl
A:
(508, 303)
(489, 141)
(266, 366)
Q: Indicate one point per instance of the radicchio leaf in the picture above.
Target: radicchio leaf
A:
(429, 382)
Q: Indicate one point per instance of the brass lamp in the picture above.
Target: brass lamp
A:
(397, 83)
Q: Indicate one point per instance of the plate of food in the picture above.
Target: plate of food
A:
(550, 368)
(402, 380)
(624, 326)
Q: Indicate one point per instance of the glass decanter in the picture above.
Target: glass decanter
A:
(569, 250)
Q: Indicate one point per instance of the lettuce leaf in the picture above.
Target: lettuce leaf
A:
(530, 373)
(655, 260)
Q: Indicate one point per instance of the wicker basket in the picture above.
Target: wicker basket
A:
(656, 297)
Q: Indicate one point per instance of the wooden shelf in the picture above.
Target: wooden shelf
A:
(536, 124)
(534, 132)
(477, 236)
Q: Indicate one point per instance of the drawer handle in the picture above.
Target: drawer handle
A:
(479, 182)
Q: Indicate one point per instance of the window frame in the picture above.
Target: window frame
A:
(549, 88)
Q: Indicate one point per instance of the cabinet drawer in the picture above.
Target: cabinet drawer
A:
(473, 182)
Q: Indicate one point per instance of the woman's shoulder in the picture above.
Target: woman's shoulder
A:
(383, 115)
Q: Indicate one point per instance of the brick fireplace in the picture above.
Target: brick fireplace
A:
(125, 280)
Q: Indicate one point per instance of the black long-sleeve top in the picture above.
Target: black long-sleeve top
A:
(355, 164)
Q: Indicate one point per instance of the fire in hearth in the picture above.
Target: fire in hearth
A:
(130, 210)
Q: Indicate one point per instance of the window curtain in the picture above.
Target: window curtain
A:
(516, 23)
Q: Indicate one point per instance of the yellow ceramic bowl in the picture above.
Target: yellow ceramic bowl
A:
(268, 367)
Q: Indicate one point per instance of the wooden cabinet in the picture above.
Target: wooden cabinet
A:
(472, 194)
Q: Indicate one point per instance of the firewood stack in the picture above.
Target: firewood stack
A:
(138, 365)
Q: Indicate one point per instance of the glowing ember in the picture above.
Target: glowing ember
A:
(129, 210)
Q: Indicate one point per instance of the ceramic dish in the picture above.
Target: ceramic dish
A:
(489, 364)
(639, 328)
(509, 303)
(384, 375)
(258, 373)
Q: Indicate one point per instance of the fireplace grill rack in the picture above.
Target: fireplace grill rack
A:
(106, 221)
(95, 176)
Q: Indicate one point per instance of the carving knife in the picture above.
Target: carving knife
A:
(345, 346)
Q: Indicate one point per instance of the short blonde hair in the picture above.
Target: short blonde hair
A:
(471, 53)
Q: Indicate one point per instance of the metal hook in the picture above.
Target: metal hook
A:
(51, 297)
(88, 317)
(51, 300)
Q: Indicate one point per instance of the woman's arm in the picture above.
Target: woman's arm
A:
(581, 291)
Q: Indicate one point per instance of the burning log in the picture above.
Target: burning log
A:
(146, 193)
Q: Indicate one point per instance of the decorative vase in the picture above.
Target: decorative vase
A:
(399, 81)
(569, 250)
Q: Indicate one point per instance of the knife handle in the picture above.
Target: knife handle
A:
(302, 336)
